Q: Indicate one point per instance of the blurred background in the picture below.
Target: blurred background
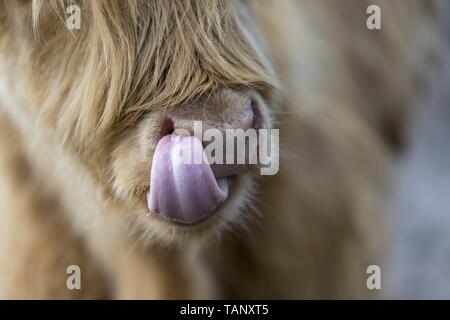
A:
(419, 263)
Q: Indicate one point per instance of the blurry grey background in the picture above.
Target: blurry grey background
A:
(419, 264)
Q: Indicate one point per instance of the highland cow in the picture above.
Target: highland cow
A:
(84, 114)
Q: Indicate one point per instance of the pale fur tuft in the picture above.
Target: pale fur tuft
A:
(164, 54)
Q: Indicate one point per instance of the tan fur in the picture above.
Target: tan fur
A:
(79, 110)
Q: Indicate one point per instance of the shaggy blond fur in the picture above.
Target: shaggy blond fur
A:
(79, 108)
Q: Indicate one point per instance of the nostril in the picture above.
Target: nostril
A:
(258, 121)
(167, 127)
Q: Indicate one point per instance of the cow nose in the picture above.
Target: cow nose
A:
(232, 115)
(231, 111)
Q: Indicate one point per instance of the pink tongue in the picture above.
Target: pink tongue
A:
(180, 190)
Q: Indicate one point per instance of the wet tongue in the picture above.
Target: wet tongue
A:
(183, 190)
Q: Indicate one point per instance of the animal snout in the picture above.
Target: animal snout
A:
(227, 124)
(202, 146)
